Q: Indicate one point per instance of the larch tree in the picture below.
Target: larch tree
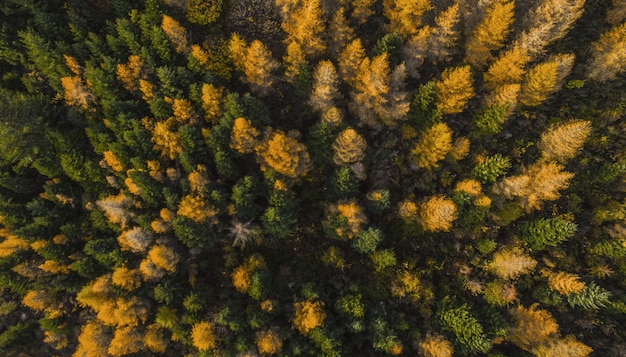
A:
(436, 346)
(197, 209)
(164, 257)
(126, 340)
(130, 73)
(608, 55)
(325, 86)
(176, 34)
(433, 146)
(617, 13)
(258, 67)
(165, 136)
(94, 340)
(308, 315)
(349, 147)
(510, 263)
(405, 16)
(562, 141)
(445, 34)
(416, 50)
(77, 93)
(568, 346)
(284, 154)
(305, 26)
(490, 33)
(350, 61)
(268, 342)
(212, 98)
(437, 213)
(371, 88)
(454, 90)
(341, 33)
(244, 136)
(294, 61)
(531, 327)
(135, 240)
(545, 79)
(202, 336)
(509, 68)
(565, 283)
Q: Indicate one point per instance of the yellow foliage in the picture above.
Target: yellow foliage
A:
(454, 90)
(159, 226)
(325, 82)
(268, 342)
(405, 15)
(202, 336)
(164, 257)
(460, 148)
(154, 338)
(407, 210)
(54, 267)
(183, 111)
(58, 341)
(406, 284)
(176, 33)
(11, 244)
(308, 315)
(149, 271)
(128, 312)
(470, 186)
(126, 340)
(127, 279)
(165, 137)
(135, 240)
(510, 263)
(531, 327)
(564, 140)
(562, 347)
(333, 116)
(166, 215)
(350, 61)
(436, 346)
(211, 102)
(433, 146)
(198, 179)
(490, 33)
(243, 137)
(284, 154)
(258, 67)
(196, 209)
(342, 32)
(437, 213)
(565, 283)
(507, 69)
(147, 90)
(539, 82)
(241, 278)
(354, 215)
(130, 73)
(42, 300)
(112, 161)
(362, 10)
(73, 65)
(541, 181)
(96, 294)
(482, 201)
(199, 55)
(93, 340)
(348, 147)
(294, 61)
(132, 187)
(305, 26)
(617, 13)
(77, 93)
(445, 34)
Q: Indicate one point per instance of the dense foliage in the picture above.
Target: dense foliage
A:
(313, 177)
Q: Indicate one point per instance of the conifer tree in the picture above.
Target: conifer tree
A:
(308, 315)
(211, 102)
(372, 86)
(342, 33)
(136, 239)
(436, 346)
(130, 73)
(176, 33)
(454, 90)
(349, 147)
(568, 346)
(531, 327)
(350, 61)
(76, 92)
(417, 48)
(258, 66)
(362, 10)
(93, 340)
(437, 213)
(565, 283)
(541, 233)
(510, 263)
(202, 336)
(268, 342)
(325, 86)
(545, 79)
(509, 68)
(608, 57)
(433, 146)
(295, 62)
(243, 137)
(284, 154)
(445, 34)
(563, 141)
(490, 33)
(154, 338)
(305, 26)
(617, 13)
(405, 16)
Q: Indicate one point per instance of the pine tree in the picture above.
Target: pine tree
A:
(563, 141)
(507, 69)
(305, 26)
(284, 154)
(591, 297)
(204, 12)
(211, 102)
(565, 283)
(135, 240)
(510, 263)
(405, 16)
(243, 137)
(490, 33)
(197, 209)
(568, 346)
(165, 137)
(202, 336)
(531, 327)
(417, 48)
(437, 213)
(350, 61)
(362, 10)
(308, 315)
(176, 33)
(325, 86)
(490, 167)
(127, 279)
(155, 339)
(436, 346)
(77, 93)
(454, 90)
(371, 88)
(295, 62)
(258, 67)
(130, 73)
(433, 146)
(543, 79)
(608, 57)
(464, 326)
(542, 233)
(349, 147)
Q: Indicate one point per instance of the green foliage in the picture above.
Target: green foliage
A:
(383, 259)
(203, 12)
(543, 233)
(423, 113)
(489, 121)
(16, 334)
(465, 328)
(367, 240)
(491, 168)
(390, 43)
(279, 218)
(593, 297)
(343, 184)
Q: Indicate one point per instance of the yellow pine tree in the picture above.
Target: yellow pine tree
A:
(531, 327)
(165, 137)
(294, 61)
(437, 213)
(198, 179)
(44, 301)
(371, 88)
(308, 315)
(54, 267)
(112, 161)
(196, 209)
(416, 49)
(183, 111)
(94, 340)
(507, 69)
(332, 116)
(126, 340)
(73, 65)
(11, 243)
(155, 339)
(565, 283)
(76, 92)
(164, 257)
(202, 336)
(454, 90)
(147, 90)
(407, 210)
(176, 33)
(540, 182)
(305, 26)
(268, 342)
(405, 16)
(436, 346)
(258, 67)
(211, 102)
(325, 83)
(510, 263)
(490, 33)
(127, 279)
(128, 312)
(349, 147)
(343, 34)
(115, 208)
(563, 141)
(568, 346)
(243, 137)
(237, 51)
(616, 14)
(130, 73)
(433, 146)
(284, 154)
(608, 55)
(350, 61)
(543, 79)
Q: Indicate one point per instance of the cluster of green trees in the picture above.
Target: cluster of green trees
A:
(312, 177)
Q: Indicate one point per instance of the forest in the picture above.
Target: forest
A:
(247, 178)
